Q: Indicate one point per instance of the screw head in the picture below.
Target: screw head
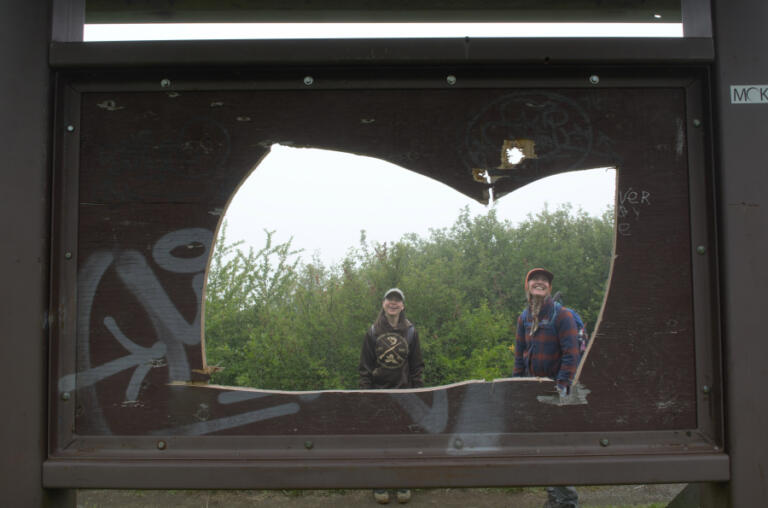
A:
(696, 122)
(70, 128)
(165, 83)
(701, 250)
(594, 79)
(67, 255)
(309, 80)
(161, 445)
(604, 442)
(450, 79)
(309, 445)
(65, 396)
(706, 389)
(458, 443)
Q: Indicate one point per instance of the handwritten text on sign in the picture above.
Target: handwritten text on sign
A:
(749, 94)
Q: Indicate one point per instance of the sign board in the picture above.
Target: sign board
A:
(144, 173)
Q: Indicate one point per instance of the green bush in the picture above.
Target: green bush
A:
(273, 321)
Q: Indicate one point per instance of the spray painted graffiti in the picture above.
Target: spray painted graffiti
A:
(432, 419)
(207, 427)
(143, 359)
(174, 331)
(139, 279)
(560, 125)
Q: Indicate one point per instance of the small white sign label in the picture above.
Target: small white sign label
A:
(749, 94)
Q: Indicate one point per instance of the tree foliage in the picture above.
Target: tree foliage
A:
(275, 322)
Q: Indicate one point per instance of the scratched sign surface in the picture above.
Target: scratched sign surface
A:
(156, 170)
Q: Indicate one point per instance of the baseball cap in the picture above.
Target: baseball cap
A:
(535, 271)
(394, 290)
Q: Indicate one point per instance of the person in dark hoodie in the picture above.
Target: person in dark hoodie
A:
(391, 358)
(391, 355)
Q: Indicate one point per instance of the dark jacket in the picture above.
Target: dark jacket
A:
(391, 357)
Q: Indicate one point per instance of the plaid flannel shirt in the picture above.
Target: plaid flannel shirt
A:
(553, 351)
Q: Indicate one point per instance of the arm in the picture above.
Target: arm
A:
(520, 346)
(367, 362)
(415, 362)
(567, 336)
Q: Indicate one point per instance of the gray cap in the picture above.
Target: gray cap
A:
(394, 290)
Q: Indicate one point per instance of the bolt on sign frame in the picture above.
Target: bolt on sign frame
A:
(128, 402)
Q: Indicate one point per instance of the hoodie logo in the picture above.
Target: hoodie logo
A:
(391, 350)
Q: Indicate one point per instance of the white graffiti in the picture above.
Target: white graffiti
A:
(141, 358)
(90, 276)
(482, 399)
(162, 252)
(170, 326)
(172, 329)
(433, 418)
(237, 396)
(230, 422)
(631, 203)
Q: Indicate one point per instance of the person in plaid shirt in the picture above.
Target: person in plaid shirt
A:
(546, 345)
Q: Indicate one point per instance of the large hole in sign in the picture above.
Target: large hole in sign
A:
(313, 239)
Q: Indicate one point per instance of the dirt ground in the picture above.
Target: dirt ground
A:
(623, 496)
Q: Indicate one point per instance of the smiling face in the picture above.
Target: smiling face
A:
(393, 305)
(538, 285)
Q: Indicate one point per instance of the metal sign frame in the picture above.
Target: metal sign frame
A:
(280, 461)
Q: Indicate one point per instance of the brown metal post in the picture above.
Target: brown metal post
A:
(741, 161)
(24, 227)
